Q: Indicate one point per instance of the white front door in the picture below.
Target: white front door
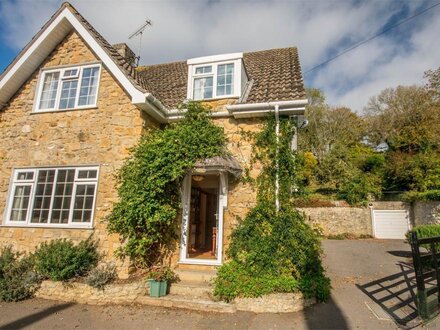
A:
(204, 199)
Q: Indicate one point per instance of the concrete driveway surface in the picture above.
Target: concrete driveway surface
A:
(372, 289)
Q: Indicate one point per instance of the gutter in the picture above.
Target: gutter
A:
(294, 107)
(164, 115)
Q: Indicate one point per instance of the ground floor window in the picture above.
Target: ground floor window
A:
(58, 196)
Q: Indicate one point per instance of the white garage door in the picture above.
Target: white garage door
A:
(390, 224)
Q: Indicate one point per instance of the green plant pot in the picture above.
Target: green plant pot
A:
(158, 288)
(163, 288)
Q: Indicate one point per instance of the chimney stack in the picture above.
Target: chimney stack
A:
(126, 53)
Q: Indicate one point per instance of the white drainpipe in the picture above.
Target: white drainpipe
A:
(277, 179)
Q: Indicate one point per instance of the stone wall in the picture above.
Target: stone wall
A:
(241, 197)
(85, 294)
(357, 220)
(101, 135)
(340, 220)
(426, 213)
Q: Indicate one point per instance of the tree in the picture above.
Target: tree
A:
(406, 118)
(329, 127)
(433, 84)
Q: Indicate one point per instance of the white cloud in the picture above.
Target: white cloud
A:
(184, 29)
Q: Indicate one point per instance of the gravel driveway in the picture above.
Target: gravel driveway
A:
(371, 290)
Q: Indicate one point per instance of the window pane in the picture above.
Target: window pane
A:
(87, 174)
(43, 196)
(204, 69)
(225, 79)
(25, 175)
(49, 90)
(89, 86)
(83, 205)
(203, 88)
(63, 196)
(20, 203)
(68, 94)
(70, 73)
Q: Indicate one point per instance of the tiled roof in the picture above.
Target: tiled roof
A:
(167, 82)
(275, 75)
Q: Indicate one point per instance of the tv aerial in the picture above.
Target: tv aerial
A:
(139, 33)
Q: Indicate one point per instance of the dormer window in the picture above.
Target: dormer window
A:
(68, 88)
(205, 76)
(215, 77)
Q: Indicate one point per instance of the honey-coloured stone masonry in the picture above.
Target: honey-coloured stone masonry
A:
(100, 136)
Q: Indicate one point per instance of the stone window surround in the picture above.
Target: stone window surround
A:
(61, 68)
(70, 224)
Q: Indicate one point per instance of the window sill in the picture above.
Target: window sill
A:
(217, 98)
(201, 262)
(47, 227)
(36, 112)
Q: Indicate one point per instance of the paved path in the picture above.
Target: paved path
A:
(362, 272)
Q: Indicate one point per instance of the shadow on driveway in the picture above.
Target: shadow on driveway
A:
(396, 296)
(327, 316)
(30, 319)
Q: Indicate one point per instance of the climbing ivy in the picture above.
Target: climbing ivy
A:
(276, 158)
(273, 250)
(149, 182)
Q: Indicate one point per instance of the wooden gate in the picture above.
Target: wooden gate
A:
(426, 267)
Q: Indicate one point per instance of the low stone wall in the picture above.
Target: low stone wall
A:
(137, 293)
(274, 303)
(82, 293)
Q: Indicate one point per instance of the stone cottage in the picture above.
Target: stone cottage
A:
(72, 105)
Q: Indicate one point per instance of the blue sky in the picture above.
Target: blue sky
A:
(320, 29)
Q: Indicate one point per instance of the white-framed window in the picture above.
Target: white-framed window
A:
(53, 197)
(210, 81)
(68, 88)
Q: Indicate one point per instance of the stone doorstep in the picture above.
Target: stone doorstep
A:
(200, 290)
(196, 276)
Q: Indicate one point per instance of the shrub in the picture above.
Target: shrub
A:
(61, 260)
(272, 252)
(233, 279)
(360, 188)
(18, 279)
(101, 276)
(413, 196)
(164, 273)
(424, 231)
(413, 172)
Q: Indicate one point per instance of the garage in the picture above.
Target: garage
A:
(390, 224)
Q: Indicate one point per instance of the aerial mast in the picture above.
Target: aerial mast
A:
(139, 33)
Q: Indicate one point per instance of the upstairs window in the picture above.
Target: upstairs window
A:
(68, 88)
(63, 196)
(213, 81)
